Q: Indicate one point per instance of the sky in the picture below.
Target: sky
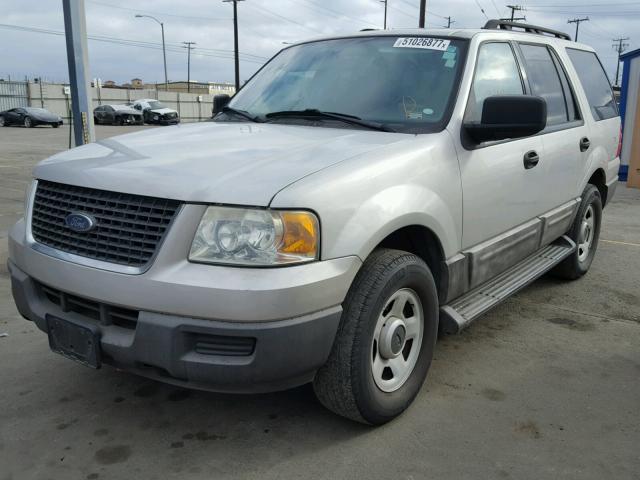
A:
(122, 47)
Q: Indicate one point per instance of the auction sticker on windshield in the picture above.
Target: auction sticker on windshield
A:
(422, 42)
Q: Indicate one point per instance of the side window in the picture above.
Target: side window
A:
(595, 83)
(569, 97)
(496, 73)
(545, 82)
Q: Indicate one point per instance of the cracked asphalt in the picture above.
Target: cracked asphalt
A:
(544, 386)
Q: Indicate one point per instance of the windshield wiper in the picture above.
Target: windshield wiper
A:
(315, 113)
(240, 113)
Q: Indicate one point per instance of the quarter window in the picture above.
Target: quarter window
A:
(545, 82)
(595, 83)
(496, 73)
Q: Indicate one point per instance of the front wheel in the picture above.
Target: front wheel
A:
(585, 232)
(28, 123)
(2, 122)
(385, 342)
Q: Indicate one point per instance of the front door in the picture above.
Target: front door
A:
(501, 181)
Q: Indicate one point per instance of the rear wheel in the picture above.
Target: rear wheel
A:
(384, 346)
(55, 125)
(585, 232)
(28, 123)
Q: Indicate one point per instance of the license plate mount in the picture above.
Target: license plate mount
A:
(76, 341)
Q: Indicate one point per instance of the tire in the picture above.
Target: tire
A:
(585, 232)
(28, 123)
(55, 125)
(96, 121)
(350, 383)
(3, 123)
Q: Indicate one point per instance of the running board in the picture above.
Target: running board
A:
(465, 309)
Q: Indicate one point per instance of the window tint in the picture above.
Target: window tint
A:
(545, 82)
(569, 97)
(595, 83)
(496, 74)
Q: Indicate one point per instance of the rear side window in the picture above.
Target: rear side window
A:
(545, 82)
(595, 83)
(496, 73)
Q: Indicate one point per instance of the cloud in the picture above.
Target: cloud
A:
(264, 26)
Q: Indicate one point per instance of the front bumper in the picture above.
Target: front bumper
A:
(186, 351)
(292, 313)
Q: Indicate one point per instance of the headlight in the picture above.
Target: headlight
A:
(240, 236)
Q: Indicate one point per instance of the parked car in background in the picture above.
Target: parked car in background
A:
(117, 115)
(29, 117)
(156, 112)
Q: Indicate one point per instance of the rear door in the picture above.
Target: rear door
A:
(566, 136)
(602, 117)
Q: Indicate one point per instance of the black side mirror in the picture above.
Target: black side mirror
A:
(509, 116)
(219, 102)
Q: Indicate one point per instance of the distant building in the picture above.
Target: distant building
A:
(137, 83)
(109, 84)
(201, 88)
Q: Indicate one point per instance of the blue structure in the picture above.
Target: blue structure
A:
(629, 92)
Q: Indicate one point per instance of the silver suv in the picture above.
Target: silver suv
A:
(358, 195)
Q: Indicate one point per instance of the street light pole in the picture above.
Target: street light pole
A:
(164, 51)
(189, 48)
(235, 39)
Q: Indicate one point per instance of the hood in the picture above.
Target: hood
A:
(162, 111)
(44, 116)
(232, 163)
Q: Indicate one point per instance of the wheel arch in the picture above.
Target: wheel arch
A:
(424, 243)
(599, 180)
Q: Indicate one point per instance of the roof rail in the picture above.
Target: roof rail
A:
(508, 25)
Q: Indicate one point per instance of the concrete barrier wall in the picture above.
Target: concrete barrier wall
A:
(192, 107)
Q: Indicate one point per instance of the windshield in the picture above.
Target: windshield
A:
(405, 83)
(155, 105)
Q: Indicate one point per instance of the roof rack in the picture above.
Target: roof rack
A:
(507, 25)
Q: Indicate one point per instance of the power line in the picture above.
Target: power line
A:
(482, 9)
(514, 9)
(124, 42)
(578, 21)
(164, 14)
(286, 19)
(619, 46)
(189, 46)
(333, 13)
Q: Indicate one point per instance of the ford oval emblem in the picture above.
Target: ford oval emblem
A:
(80, 222)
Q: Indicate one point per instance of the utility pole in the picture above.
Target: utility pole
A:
(423, 13)
(75, 31)
(449, 22)
(577, 21)
(235, 39)
(385, 12)
(189, 48)
(514, 9)
(164, 51)
(619, 46)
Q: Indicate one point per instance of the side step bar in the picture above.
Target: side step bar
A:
(465, 309)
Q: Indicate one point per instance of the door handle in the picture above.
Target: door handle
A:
(584, 144)
(531, 159)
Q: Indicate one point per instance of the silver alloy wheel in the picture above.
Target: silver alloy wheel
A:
(27, 122)
(397, 339)
(587, 232)
(1, 121)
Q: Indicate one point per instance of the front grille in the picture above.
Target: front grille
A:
(170, 115)
(128, 229)
(101, 312)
